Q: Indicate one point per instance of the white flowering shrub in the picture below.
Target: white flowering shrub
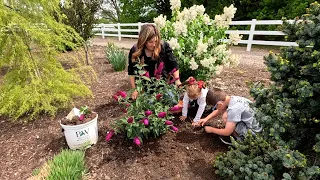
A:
(199, 43)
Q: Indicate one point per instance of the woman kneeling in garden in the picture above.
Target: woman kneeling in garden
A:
(151, 51)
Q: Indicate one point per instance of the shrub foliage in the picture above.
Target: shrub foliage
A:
(289, 110)
(34, 81)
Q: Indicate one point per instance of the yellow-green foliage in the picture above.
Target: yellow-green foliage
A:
(35, 82)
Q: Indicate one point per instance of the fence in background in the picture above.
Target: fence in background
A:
(119, 30)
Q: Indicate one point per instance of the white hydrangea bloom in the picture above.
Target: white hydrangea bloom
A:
(206, 19)
(218, 70)
(205, 62)
(174, 43)
(180, 27)
(175, 4)
(221, 21)
(193, 64)
(229, 12)
(235, 37)
(220, 49)
(210, 40)
(160, 21)
(187, 15)
(199, 9)
(201, 48)
(234, 60)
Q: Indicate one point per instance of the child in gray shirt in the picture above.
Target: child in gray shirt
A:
(236, 113)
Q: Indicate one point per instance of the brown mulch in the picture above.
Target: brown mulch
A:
(187, 154)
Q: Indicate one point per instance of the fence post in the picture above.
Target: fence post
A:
(102, 30)
(139, 27)
(250, 39)
(119, 32)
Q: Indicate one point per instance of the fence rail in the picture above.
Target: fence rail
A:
(131, 30)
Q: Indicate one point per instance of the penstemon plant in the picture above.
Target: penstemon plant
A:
(148, 115)
(199, 43)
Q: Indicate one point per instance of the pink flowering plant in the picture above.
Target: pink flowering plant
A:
(147, 116)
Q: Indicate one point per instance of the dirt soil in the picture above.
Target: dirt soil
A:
(186, 155)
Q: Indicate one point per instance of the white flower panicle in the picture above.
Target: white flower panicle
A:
(210, 40)
(201, 48)
(180, 27)
(175, 4)
(224, 19)
(189, 14)
(160, 21)
(229, 12)
(174, 43)
(234, 60)
(208, 62)
(199, 9)
(206, 19)
(235, 37)
(193, 64)
(218, 70)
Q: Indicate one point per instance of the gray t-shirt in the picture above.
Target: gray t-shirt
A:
(239, 110)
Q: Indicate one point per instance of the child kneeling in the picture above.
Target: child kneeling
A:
(237, 115)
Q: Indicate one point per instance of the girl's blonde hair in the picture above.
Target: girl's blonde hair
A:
(193, 91)
(147, 33)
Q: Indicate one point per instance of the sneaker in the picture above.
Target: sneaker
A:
(225, 140)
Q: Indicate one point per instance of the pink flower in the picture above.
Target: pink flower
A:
(146, 121)
(173, 80)
(128, 105)
(174, 129)
(109, 135)
(130, 120)
(123, 94)
(167, 122)
(158, 96)
(148, 113)
(175, 108)
(124, 110)
(115, 97)
(137, 141)
(81, 117)
(162, 114)
(146, 74)
(158, 71)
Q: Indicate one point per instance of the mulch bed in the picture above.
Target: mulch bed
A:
(187, 154)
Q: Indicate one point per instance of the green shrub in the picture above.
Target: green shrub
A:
(199, 43)
(67, 165)
(288, 110)
(148, 115)
(117, 57)
(35, 82)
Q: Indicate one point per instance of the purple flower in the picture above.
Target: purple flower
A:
(115, 97)
(148, 113)
(158, 96)
(167, 122)
(123, 94)
(158, 71)
(162, 114)
(137, 141)
(81, 117)
(146, 74)
(130, 120)
(174, 129)
(109, 135)
(175, 108)
(146, 121)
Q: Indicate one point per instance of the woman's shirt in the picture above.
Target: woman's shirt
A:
(165, 55)
(201, 102)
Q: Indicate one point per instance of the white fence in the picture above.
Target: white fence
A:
(115, 30)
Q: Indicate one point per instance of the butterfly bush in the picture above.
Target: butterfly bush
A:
(148, 115)
(199, 43)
